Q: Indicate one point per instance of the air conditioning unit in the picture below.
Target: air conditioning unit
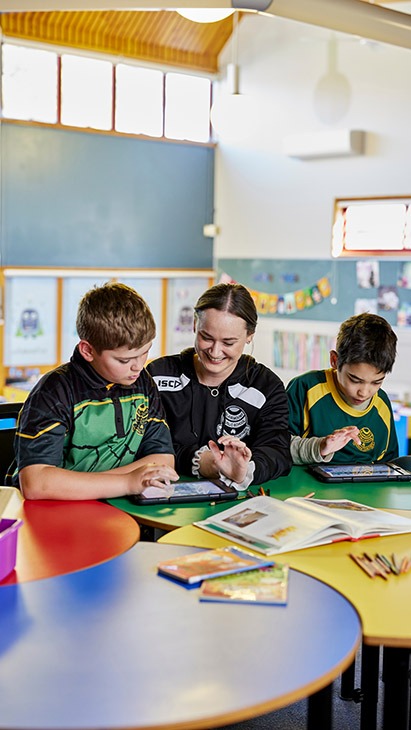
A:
(327, 143)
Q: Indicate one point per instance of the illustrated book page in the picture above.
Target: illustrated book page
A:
(272, 526)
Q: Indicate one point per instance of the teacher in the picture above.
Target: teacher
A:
(228, 414)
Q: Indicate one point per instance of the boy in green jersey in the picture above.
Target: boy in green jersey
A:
(95, 427)
(341, 414)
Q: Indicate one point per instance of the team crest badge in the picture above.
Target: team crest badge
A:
(367, 440)
(140, 419)
(233, 422)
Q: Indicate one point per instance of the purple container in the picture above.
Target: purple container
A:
(8, 545)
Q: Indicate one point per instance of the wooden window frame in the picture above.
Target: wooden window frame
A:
(338, 249)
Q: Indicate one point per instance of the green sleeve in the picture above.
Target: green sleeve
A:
(296, 392)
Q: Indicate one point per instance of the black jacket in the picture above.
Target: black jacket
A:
(251, 404)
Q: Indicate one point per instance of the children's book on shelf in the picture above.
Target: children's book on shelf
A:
(272, 526)
(195, 567)
(265, 585)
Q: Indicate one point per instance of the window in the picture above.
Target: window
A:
(86, 92)
(187, 107)
(139, 100)
(372, 226)
(95, 93)
(29, 84)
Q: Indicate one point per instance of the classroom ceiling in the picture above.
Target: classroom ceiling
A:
(158, 36)
(155, 36)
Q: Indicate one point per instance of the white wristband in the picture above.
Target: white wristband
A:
(195, 468)
(240, 486)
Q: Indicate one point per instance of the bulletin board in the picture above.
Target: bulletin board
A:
(326, 290)
(40, 308)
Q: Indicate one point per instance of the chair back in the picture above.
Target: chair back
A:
(6, 451)
(8, 417)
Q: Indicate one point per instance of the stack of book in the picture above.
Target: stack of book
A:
(230, 574)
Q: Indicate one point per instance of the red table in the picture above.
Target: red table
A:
(63, 537)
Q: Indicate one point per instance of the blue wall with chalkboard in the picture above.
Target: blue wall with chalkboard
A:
(284, 276)
(74, 198)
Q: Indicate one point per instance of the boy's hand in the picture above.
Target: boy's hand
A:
(338, 439)
(233, 461)
(150, 475)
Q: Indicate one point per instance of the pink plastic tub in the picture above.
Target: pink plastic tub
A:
(8, 545)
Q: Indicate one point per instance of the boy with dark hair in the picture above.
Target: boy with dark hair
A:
(341, 414)
(95, 427)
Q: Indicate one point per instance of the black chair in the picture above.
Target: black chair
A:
(10, 410)
(6, 451)
(7, 410)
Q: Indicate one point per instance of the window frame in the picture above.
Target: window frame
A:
(338, 250)
(114, 60)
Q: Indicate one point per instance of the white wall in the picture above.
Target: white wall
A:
(268, 205)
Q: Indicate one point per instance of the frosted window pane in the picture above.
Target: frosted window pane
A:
(187, 107)
(375, 227)
(29, 84)
(139, 100)
(86, 92)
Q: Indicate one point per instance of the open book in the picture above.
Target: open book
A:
(10, 502)
(272, 526)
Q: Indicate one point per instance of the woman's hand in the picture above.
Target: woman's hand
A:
(233, 460)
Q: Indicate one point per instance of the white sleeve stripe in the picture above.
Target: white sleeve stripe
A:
(249, 395)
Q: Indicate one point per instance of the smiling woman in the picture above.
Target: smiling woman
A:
(227, 413)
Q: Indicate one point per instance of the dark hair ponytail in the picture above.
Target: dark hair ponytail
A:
(232, 298)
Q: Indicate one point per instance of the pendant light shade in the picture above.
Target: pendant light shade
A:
(204, 15)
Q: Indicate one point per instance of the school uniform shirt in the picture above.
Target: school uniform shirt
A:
(251, 404)
(75, 419)
(318, 409)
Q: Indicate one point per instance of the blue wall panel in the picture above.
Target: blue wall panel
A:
(81, 199)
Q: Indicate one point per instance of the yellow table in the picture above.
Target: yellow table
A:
(384, 608)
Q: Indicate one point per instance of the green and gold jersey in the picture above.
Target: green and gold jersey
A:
(317, 409)
(74, 419)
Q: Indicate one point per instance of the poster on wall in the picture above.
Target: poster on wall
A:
(30, 331)
(182, 294)
(365, 305)
(404, 277)
(74, 289)
(368, 274)
(152, 291)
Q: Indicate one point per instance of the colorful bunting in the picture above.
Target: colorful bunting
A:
(291, 302)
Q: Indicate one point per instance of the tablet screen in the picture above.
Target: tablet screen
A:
(183, 489)
(187, 488)
(371, 470)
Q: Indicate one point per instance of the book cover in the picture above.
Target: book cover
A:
(195, 567)
(267, 585)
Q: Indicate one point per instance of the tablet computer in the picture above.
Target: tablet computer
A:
(203, 490)
(382, 472)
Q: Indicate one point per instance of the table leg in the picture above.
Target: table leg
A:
(370, 663)
(320, 710)
(396, 675)
(347, 682)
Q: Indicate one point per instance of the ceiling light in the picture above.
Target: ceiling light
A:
(204, 15)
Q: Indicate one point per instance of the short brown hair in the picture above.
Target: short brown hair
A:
(367, 338)
(232, 298)
(114, 315)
